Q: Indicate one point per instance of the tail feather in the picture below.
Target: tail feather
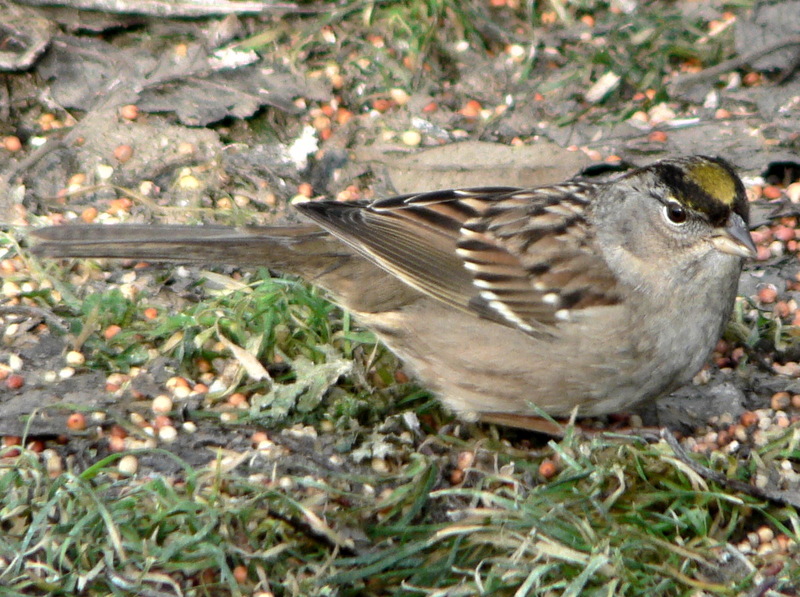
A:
(305, 251)
(277, 247)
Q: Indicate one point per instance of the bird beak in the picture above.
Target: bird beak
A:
(734, 239)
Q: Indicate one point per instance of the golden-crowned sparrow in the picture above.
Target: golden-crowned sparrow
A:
(591, 294)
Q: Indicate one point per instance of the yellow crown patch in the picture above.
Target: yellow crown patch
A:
(714, 180)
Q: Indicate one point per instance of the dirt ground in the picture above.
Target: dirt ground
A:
(324, 108)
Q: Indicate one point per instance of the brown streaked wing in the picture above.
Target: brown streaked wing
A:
(532, 256)
(520, 257)
(414, 237)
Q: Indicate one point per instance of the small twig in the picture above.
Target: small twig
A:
(734, 63)
(783, 497)
(30, 311)
(315, 535)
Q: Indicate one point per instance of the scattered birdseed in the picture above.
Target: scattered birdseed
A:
(128, 464)
(161, 404)
(75, 358)
(76, 422)
(167, 434)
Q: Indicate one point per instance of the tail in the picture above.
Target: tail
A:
(290, 249)
(305, 251)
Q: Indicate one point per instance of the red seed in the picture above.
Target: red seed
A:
(76, 422)
(12, 143)
(122, 153)
(748, 418)
(547, 468)
(15, 381)
(768, 294)
(129, 112)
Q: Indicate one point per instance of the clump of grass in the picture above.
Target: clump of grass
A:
(620, 517)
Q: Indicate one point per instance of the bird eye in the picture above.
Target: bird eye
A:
(675, 212)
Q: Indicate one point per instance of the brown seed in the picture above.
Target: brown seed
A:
(122, 153)
(129, 112)
(381, 104)
(784, 233)
(12, 440)
(119, 206)
(116, 444)
(337, 81)
(305, 189)
(258, 437)
(12, 143)
(748, 418)
(780, 401)
(240, 574)
(15, 381)
(761, 236)
(472, 109)
(111, 331)
(176, 382)
(465, 460)
(343, 115)
(161, 421)
(767, 294)
(36, 445)
(53, 464)
(237, 399)
(89, 215)
(751, 79)
(781, 309)
(547, 468)
(321, 122)
(763, 253)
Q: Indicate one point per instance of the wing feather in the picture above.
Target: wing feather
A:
(524, 257)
